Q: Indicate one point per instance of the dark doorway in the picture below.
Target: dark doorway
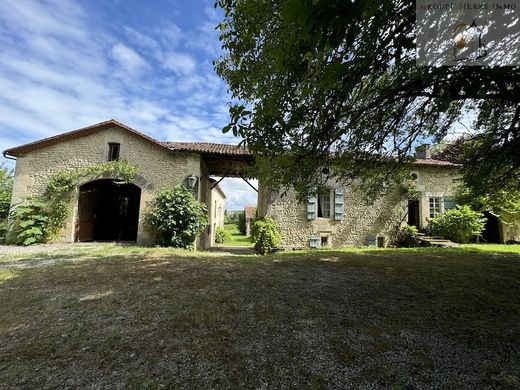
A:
(108, 211)
(413, 213)
(491, 232)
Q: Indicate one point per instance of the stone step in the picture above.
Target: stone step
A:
(435, 241)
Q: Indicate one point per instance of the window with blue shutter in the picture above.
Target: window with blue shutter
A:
(339, 203)
(311, 206)
(315, 241)
(449, 204)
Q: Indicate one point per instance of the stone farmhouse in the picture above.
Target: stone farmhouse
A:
(106, 209)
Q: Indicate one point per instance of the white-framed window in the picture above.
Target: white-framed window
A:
(324, 195)
(435, 206)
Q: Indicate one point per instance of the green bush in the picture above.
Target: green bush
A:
(407, 237)
(231, 218)
(6, 188)
(241, 222)
(3, 231)
(460, 224)
(29, 222)
(178, 217)
(222, 236)
(265, 235)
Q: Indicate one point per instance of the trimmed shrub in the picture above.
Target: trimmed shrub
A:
(222, 236)
(460, 224)
(241, 222)
(265, 235)
(177, 217)
(407, 237)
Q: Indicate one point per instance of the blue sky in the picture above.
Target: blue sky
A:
(68, 64)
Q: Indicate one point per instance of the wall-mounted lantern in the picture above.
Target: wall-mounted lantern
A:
(192, 180)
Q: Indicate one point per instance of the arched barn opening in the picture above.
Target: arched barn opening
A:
(108, 210)
(491, 233)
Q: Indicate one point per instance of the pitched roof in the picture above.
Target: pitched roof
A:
(205, 148)
(196, 147)
(84, 131)
(432, 162)
(217, 187)
(209, 148)
(249, 211)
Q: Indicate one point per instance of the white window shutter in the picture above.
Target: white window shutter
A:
(339, 203)
(312, 205)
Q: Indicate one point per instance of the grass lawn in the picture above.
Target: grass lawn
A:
(108, 316)
(237, 238)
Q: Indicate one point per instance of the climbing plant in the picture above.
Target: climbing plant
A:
(39, 218)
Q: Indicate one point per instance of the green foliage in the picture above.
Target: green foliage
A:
(265, 235)
(40, 218)
(30, 221)
(313, 77)
(407, 237)
(460, 224)
(501, 202)
(232, 218)
(178, 217)
(222, 236)
(408, 190)
(6, 188)
(3, 230)
(241, 222)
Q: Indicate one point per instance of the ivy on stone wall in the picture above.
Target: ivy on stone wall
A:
(40, 218)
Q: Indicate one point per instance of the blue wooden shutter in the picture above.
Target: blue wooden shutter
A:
(449, 204)
(315, 241)
(312, 204)
(339, 206)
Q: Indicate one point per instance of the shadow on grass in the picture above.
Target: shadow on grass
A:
(294, 319)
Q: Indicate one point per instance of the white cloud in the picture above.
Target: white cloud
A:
(60, 71)
(128, 59)
(180, 63)
(239, 193)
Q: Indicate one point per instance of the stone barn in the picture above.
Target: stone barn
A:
(106, 209)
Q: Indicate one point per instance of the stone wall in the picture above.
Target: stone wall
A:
(216, 206)
(362, 218)
(510, 228)
(157, 167)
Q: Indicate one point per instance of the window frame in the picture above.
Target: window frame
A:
(320, 200)
(435, 206)
(111, 147)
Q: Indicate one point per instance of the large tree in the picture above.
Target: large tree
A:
(333, 86)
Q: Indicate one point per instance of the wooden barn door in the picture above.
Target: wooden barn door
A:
(89, 200)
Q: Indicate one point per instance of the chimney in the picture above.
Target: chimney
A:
(423, 151)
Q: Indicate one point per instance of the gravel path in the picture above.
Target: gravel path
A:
(40, 248)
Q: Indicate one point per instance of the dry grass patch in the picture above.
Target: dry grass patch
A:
(148, 319)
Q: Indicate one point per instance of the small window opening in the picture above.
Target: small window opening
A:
(324, 241)
(113, 151)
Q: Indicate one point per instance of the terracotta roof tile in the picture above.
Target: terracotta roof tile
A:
(208, 148)
(437, 163)
(249, 212)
